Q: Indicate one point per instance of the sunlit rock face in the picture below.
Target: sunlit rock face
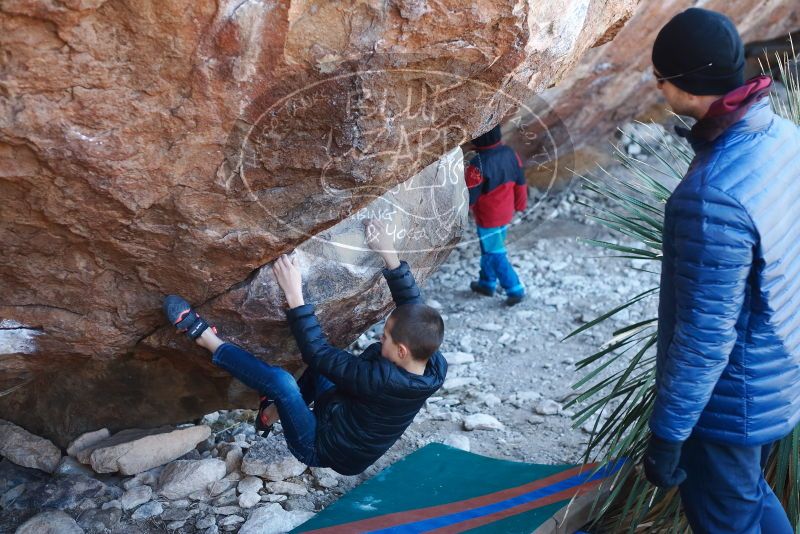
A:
(614, 83)
(152, 147)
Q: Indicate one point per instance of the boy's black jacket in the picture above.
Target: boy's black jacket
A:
(374, 400)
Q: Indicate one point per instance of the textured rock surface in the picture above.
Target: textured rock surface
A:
(482, 421)
(52, 522)
(135, 497)
(158, 147)
(135, 451)
(182, 477)
(614, 83)
(84, 441)
(26, 449)
(269, 460)
(272, 519)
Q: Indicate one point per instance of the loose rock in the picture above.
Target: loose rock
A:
(482, 421)
(52, 522)
(325, 477)
(135, 497)
(458, 441)
(272, 519)
(182, 477)
(220, 486)
(233, 459)
(70, 466)
(458, 358)
(547, 407)
(286, 488)
(248, 500)
(26, 449)
(100, 520)
(205, 522)
(134, 451)
(270, 459)
(459, 382)
(250, 485)
(85, 440)
(146, 511)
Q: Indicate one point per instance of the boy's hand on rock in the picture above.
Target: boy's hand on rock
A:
(379, 240)
(290, 280)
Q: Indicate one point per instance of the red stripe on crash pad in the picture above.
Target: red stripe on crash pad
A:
(525, 507)
(419, 514)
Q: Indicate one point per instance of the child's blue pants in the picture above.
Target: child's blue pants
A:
(494, 262)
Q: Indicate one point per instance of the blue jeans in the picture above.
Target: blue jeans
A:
(291, 397)
(725, 490)
(494, 262)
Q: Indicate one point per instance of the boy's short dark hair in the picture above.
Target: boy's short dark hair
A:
(419, 327)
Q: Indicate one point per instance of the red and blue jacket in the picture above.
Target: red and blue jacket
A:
(496, 185)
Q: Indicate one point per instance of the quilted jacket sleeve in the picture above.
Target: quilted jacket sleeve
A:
(520, 187)
(474, 179)
(350, 373)
(402, 285)
(710, 238)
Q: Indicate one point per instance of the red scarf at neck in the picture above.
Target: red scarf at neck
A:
(728, 110)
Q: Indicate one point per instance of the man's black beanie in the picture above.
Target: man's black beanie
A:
(489, 138)
(690, 42)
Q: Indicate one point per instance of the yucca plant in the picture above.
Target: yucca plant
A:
(618, 390)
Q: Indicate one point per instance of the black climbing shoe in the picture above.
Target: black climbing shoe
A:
(515, 299)
(183, 316)
(477, 288)
(262, 428)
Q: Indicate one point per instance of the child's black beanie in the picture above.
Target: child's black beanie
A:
(489, 138)
(705, 47)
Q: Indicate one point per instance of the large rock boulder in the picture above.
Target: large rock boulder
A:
(135, 451)
(182, 477)
(614, 83)
(50, 522)
(26, 449)
(151, 147)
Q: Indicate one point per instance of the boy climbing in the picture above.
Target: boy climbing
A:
(362, 404)
(497, 189)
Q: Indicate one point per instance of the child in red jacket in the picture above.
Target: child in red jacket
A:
(497, 189)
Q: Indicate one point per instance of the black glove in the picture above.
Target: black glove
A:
(661, 462)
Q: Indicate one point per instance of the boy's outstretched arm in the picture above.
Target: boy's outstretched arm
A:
(398, 274)
(346, 370)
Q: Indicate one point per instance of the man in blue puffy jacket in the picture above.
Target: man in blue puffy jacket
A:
(728, 364)
(362, 404)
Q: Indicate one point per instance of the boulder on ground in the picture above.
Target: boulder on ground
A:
(273, 519)
(146, 511)
(136, 450)
(85, 440)
(270, 459)
(26, 449)
(182, 477)
(547, 407)
(457, 441)
(250, 485)
(51, 522)
(482, 421)
(458, 357)
(135, 497)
